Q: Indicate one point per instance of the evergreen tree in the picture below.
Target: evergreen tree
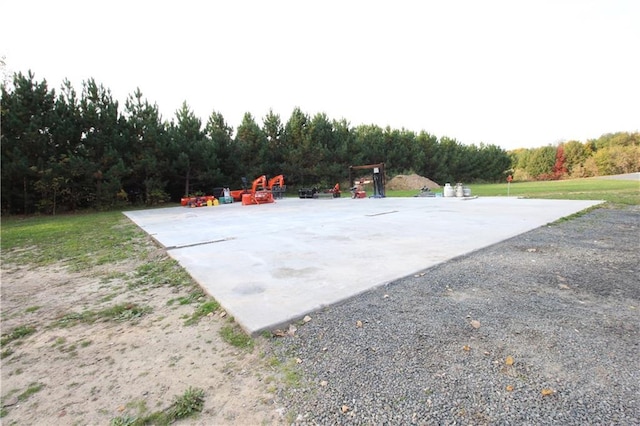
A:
(274, 159)
(252, 148)
(146, 157)
(102, 146)
(224, 149)
(192, 155)
(27, 143)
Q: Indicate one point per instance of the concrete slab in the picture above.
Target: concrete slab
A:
(270, 264)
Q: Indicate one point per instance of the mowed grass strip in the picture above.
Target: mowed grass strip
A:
(621, 192)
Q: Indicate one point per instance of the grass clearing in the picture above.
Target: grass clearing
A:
(624, 192)
(79, 240)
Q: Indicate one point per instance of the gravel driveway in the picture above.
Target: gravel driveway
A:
(543, 328)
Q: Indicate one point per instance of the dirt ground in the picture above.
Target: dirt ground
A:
(406, 182)
(91, 373)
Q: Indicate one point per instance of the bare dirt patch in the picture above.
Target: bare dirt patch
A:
(69, 371)
(407, 182)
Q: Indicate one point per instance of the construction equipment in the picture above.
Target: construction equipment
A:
(260, 193)
(277, 186)
(237, 194)
(315, 193)
(335, 191)
(357, 191)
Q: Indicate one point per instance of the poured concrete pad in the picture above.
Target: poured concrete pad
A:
(273, 263)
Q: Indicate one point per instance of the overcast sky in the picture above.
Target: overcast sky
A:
(510, 73)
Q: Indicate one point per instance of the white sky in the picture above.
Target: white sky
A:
(506, 72)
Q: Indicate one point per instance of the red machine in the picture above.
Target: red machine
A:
(335, 191)
(237, 194)
(275, 185)
(205, 200)
(357, 191)
(260, 193)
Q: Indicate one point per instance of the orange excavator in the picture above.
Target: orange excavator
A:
(277, 186)
(260, 192)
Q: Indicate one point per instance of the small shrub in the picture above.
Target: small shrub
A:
(188, 404)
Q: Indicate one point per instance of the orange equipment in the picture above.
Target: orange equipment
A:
(237, 194)
(277, 186)
(276, 180)
(357, 190)
(335, 191)
(260, 193)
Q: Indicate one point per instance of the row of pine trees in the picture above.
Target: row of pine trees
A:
(64, 151)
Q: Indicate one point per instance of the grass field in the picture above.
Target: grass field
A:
(79, 240)
(625, 192)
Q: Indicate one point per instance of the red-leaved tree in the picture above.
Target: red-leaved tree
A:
(559, 168)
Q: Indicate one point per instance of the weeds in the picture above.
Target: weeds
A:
(190, 403)
(291, 374)
(203, 310)
(120, 312)
(17, 333)
(236, 337)
(187, 300)
(33, 388)
(161, 273)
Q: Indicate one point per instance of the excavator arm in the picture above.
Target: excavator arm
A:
(260, 182)
(276, 181)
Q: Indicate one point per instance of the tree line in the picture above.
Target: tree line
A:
(67, 151)
(70, 151)
(610, 154)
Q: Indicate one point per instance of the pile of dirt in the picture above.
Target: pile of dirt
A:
(404, 182)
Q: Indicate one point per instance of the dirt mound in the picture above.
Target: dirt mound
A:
(404, 182)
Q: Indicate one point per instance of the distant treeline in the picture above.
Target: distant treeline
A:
(610, 154)
(64, 152)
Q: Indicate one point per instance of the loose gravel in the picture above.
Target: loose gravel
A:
(543, 328)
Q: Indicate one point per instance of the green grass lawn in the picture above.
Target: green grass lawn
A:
(80, 240)
(625, 192)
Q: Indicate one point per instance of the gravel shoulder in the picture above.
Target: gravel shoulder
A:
(543, 328)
